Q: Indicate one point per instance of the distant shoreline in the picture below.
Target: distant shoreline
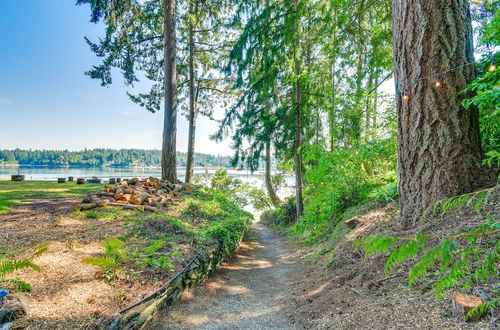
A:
(125, 166)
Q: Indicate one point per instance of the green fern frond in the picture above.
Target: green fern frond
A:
(9, 266)
(406, 251)
(476, 199)
(481, 310)
(489, 266)
(374, 245)
(20, 285)
(443, 251)
(459, 270)
(114, 255)
(103, 262)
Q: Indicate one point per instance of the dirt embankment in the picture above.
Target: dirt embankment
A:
(272, 284)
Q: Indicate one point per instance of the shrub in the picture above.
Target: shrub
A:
(284, 215)
(114, 255)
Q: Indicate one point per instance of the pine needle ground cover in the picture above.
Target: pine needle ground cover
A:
(374, 273)
(99, 261)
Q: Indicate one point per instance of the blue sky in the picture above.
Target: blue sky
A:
(46, 101)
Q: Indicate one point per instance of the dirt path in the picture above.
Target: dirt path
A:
(250, 291)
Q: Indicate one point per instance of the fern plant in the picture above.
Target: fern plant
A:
(8, 266)
(457, 260)
(476, 199)
(114, 255)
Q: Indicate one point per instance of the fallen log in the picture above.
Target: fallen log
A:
(135, 207)
(139, 197)
(123, 197)
(83, 207)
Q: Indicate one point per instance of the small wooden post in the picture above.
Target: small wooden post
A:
(61, 180)
(80, 181)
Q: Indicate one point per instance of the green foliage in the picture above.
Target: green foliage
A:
(476, 199)
(8, 266)
(373, 245)
(282, 216)
(155, 257)
(483, 309)
(343, 179)
(459, 259)
(105, 157)
(483, 92)
(115, 254)
(239, 192)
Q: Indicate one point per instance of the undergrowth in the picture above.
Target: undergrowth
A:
(10, 265)
(446, 261)
(203, 221)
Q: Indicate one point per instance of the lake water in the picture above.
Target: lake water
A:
(52, 173)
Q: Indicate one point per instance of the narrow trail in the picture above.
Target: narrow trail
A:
(249, 291)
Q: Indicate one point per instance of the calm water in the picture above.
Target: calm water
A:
(52, 173)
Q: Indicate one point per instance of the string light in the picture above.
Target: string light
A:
(492, 67)
(438, 83)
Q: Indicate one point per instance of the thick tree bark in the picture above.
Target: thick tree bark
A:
(298, 121)
(269, 182)
(192, 103)
(168, 161)
(439, 146)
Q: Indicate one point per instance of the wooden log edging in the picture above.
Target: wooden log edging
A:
(139, 315)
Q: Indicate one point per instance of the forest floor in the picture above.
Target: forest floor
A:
(70, 293)
(273, 283)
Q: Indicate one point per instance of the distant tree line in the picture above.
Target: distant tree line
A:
(104, 158)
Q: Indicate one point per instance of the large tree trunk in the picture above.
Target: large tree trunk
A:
(269, 182)
(298, 121)
(439, 147)
(168, 164)
(192, 103)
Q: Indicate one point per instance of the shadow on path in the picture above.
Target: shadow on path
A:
(250, 291)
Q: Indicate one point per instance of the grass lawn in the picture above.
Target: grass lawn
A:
(15, 192)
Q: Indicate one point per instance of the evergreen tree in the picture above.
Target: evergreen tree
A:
(439, 146)
(140, 36)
